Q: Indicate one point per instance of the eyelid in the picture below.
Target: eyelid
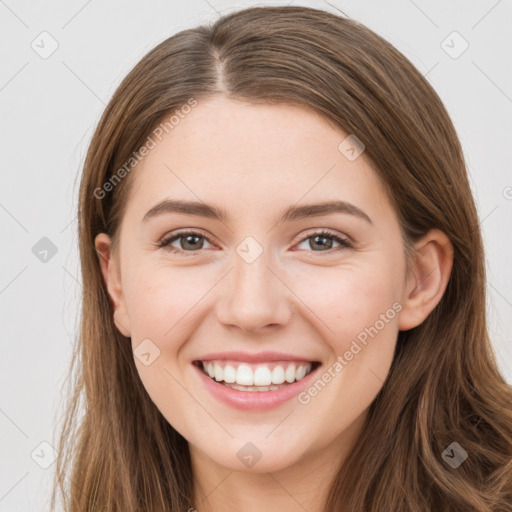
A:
(171, 237)
(345, 241)
(319, 231)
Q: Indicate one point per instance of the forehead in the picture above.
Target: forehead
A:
(253, 158)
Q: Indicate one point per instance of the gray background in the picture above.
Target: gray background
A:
(51, 105)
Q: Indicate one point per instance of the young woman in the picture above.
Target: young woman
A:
(284, 288)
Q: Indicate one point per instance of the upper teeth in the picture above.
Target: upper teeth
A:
(256, 375)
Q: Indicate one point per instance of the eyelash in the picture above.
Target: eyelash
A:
(165, 243)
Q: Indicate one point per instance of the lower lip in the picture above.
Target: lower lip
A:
(254, 400)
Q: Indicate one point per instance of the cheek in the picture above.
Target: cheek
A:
(358, 317)
(160, 300)
(348, 300)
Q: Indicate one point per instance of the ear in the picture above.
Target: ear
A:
(112, 276)
(428, 277)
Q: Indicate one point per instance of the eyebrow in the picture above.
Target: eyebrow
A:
(292, 213)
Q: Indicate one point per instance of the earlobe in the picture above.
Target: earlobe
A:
(111, 275)
(428, 277)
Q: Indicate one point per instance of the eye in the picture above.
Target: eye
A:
(324, 240)
(191, 242)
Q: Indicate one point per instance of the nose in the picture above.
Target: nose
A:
(254, 296)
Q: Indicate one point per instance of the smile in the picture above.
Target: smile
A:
(255, 386)
(256, 377)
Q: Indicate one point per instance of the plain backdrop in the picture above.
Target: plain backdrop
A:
(60, 65)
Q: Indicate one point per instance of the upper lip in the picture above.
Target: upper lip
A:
(257, 357)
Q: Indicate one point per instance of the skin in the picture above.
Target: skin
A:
(296, 297)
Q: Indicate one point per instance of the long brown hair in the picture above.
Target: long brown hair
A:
(444, 385)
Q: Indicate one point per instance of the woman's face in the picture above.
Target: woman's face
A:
(259, 291)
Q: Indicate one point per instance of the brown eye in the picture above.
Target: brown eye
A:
(324, 241)
(189, 242)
